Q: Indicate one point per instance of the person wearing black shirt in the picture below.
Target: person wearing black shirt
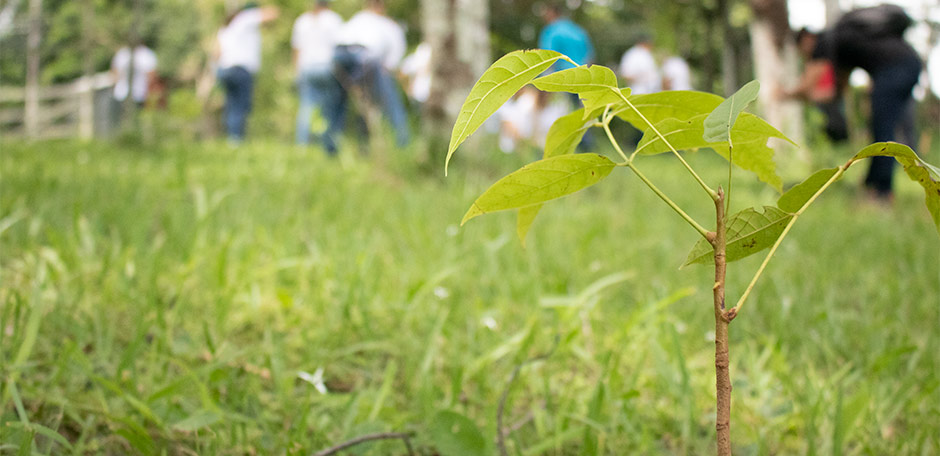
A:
(872, 39)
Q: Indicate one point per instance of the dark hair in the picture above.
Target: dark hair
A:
(803, 33)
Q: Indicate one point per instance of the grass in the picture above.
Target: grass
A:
(197, 299)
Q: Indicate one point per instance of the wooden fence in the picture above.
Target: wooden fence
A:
(80, 108)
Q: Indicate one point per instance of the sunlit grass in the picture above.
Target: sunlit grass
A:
(184, 297)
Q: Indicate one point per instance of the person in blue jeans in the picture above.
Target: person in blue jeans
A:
(369, 51)
(238, 57)
(314, 38)
(873, 39)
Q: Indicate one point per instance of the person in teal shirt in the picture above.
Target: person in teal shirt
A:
(564, 36)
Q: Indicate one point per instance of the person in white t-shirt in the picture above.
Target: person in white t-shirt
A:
(369, 51)
(314, 40)
(676, 74)
(238, 58)
(145, 71)
(638, 68)
(144, 74)
(417, 68)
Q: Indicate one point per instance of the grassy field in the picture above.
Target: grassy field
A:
(197, 299)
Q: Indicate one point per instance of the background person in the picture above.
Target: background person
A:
(676, 74)
(638, 67)
(818, 85)
(238, 60)
(873, 39)
(369, 51)
(144, 74)
(314, 38)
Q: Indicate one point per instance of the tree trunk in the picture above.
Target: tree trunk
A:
(86, 100)
(775, 65)
(729, 61)
(833, 12)
(458, 34)
(33, 57)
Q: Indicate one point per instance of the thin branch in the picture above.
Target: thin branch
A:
(500, 435)
(711, 193)
(404, 436)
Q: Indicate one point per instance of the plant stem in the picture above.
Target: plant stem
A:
(705, 186)
(786, 230)
(629, 163)
(669, 202)
(722, 361)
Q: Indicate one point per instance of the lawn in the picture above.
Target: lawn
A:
(199, 299)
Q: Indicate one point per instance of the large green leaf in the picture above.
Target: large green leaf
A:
(927, 175)
(578, 80)
(750, 142)
(748, 232)
(657, 107)
(542, 181)
(596, 86)
(497, 85)
(794, 199)
(456, 435)
(718, 124)
(562, 139)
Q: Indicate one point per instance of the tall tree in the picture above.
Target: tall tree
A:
(33, 57)
(776, 64)
(458, 34)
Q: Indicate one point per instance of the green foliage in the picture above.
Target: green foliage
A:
(719, 123)
(223, 273)
(456, 435)
(542, 181)
(496, 86)
(749, 232)
(750, 143)
(795, 198)
(927, 175)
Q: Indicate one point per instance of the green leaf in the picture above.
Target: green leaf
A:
(542, 181)
(578, 80)
(657, 107)
(794, 199)
(749, 232)
(718, 124)
(565, 134)
(927, 175)
(198, 420)
(596, 85)
(562, 139)
(456, 435)
(750, 142)
(497, 85)
(524, 221)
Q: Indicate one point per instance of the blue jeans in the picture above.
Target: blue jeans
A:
(355, 67)
(238, 84)
(892, 109)
(319, 88)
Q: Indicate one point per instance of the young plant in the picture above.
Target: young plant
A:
(671, 121)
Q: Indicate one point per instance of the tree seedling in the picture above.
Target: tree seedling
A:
(670, 121)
